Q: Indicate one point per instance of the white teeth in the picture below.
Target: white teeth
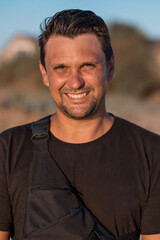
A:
(77, 95)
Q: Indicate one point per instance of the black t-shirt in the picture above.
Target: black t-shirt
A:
(117, 175)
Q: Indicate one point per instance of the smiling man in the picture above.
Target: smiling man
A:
(81, 173)
(77, 73)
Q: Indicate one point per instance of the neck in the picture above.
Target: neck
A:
(80, 131)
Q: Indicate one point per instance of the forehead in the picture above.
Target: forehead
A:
(81, 45)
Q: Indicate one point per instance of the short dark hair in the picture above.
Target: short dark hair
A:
(71, 23)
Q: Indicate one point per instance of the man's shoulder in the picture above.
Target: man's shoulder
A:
(17, 132)
(21, 128)
(136, 131)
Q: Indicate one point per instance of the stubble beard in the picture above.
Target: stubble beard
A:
(79, 112)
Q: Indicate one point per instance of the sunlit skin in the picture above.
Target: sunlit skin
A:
(151, 237)
(77, 75)
(4, 235)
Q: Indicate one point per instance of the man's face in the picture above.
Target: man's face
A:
(77, 74)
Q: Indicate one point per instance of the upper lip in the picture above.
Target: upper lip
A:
(76, 93)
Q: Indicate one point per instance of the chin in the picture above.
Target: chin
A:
(79, 115)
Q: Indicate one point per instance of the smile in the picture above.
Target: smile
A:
(77, 96)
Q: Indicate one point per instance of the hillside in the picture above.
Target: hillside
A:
(137, 61)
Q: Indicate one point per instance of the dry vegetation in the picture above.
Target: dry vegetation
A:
(145, 113)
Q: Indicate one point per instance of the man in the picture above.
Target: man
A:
(113, 164)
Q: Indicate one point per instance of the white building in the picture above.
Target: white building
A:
(18, 45)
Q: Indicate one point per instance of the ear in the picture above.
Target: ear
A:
(44, 74)
(111, 68)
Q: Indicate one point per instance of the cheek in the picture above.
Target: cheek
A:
(100, 86)
(98, 81)
(56, 82)
(102, 78)
(53, 87)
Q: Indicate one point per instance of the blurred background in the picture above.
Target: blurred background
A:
(134, 93)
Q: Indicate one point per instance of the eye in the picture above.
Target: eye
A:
(60, 68)
(87, 66)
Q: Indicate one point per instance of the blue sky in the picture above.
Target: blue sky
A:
(25, 16)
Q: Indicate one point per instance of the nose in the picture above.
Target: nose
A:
(75, 80)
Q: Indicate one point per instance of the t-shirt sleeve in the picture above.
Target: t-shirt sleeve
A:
(151, 215)
(5, 207)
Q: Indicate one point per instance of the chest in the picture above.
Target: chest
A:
(112, 183)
